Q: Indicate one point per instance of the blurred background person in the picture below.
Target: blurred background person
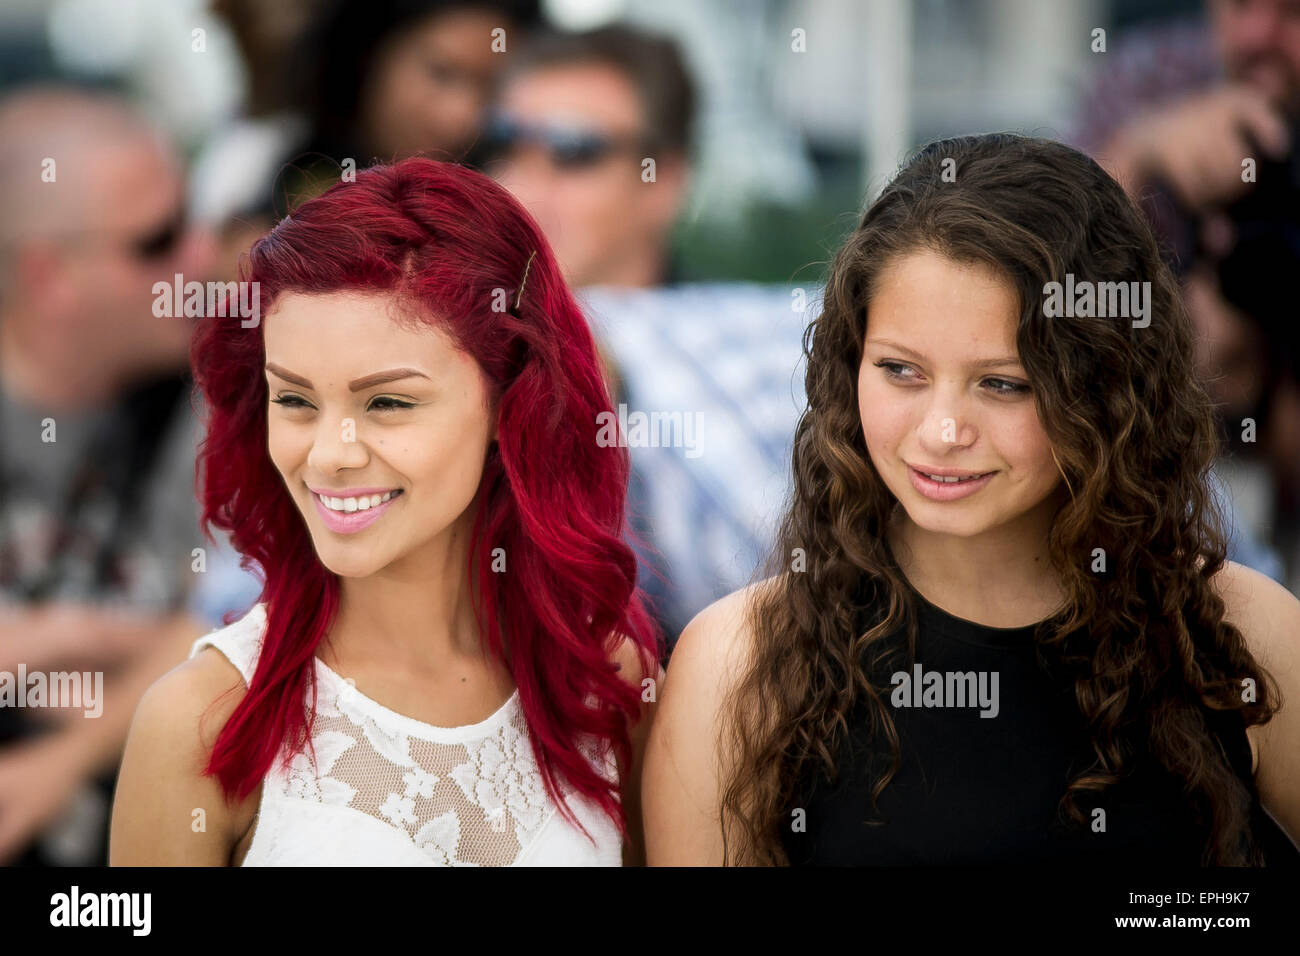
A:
(593, 132)
(232, 172)
(334, 80)
(359, 80)
(394, 78)
(1177, 113)
(97, 442)
(1182, 103)
(578, 119)
(803, 109)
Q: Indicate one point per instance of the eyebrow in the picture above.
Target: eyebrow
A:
(982, 363)
(366, 381)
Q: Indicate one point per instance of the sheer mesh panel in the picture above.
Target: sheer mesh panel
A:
(479, 802)
(464, 796)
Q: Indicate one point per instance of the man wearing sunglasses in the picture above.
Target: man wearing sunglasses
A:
(577, 119)
(592, 132)
(97, 511)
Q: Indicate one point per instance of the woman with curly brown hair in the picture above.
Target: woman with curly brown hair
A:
(999, 626)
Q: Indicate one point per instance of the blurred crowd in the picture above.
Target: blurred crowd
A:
(102, 564)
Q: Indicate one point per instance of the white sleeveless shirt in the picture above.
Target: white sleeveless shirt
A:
(388, 790)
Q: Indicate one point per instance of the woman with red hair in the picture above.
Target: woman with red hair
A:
(450, 659)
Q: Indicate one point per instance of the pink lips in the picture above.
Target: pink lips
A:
(946, 490)
(350, 522)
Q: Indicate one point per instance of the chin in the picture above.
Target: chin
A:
(345, 558)
(958, 525)
(349, 566)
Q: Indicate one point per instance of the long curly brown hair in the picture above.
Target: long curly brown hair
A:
(1134, 436)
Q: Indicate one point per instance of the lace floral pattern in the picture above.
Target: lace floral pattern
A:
(477, 801)
(466, 796)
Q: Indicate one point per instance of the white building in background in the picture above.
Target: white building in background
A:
(875, 76)
(881, 76)
(892, 74)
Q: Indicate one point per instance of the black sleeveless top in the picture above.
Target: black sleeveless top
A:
(985, 790)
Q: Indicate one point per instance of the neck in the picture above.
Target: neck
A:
(1002, 577)
(417, 614)
(50, 374)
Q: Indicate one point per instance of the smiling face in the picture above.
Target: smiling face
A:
(941, 391)
(361, 407)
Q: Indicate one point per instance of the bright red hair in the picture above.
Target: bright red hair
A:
(457, 245)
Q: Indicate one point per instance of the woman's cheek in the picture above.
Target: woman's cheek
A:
(1025, 446)
(278, 448)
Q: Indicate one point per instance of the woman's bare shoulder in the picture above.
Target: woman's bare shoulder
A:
(192, 701)
(1266, 613)
(1268, 617)
(689, 756)
(166, 810)
(718, 642)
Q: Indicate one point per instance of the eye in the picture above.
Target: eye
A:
(892, 370)
(290, 401)
(386, 403)
(1003, 387)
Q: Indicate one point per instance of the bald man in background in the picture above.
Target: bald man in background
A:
(98, 516)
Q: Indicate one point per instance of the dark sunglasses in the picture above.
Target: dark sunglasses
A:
(162, 240)
(159, 242)
(567, 147)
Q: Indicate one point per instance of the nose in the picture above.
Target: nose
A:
(527, 172)
(529, 176)
(338, 445)
(947, 424)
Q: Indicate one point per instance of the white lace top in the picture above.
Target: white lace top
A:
(388, 790)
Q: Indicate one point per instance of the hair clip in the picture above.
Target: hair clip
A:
(524, 280)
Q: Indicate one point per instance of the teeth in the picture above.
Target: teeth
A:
(951, 479)
(348, 505)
